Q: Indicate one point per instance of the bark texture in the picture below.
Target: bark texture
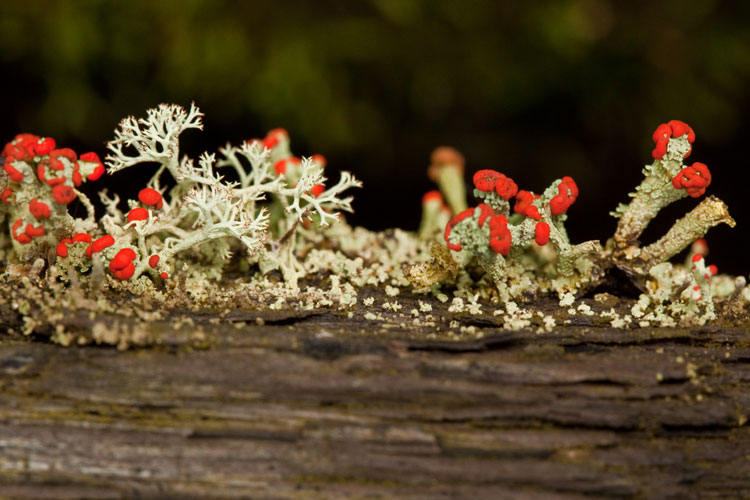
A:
(329, 407)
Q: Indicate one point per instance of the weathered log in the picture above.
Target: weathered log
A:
(323, 406)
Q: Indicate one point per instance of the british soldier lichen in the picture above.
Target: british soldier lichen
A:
(199, 221)
(189, 224)
(500, 239)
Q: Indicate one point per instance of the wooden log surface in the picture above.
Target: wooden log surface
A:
(324, 406)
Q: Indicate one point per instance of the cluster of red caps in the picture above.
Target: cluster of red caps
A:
(31, 149)
(149, 197)
(665, 131)
(695, 178)
(490, 181)
(121, 265)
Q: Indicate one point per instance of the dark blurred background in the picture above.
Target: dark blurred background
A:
(536, 90)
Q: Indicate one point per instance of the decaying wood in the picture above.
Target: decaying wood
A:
(324, 406)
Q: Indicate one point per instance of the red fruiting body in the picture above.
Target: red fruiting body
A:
(505, 187)
(714, 270)
(81, 238)
(461, 216)
(523, 206)
(281, 165)
(319, 159)
(39, 209)
(14, 174)
(541, 233)
(99, 244)
(485, 211)
(662, 134)
(64, 153)
(122, 268)
(663, 131)
(500, 237)
(700, 246)
(432, 196)
(273, 137)
(660, 149)
(44, 146)
(98, 170)
(697, 257)
(63, 194)
(137, 214)
(151, 197)
(694, 179)
(153, 261)
(62, 247)
(164, 276)
(22, 238)
(41, 172)
(567, 194)
(681, 128)
(122, 258)
(67, 153)
(5, 195)
(485, 180)
(317, 190)
(451, 223)
(35, 232)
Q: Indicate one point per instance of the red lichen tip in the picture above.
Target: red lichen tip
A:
(63, 194)
(82, 238)
(566, 196)
(317, 190)
(700, 246)
(523, 206)
(681, 128)
(62, 248)
(21, 238)
(505, 187)
(153, 261)
(694, 179)
(66, 153)
(485, 180)
(500, 237)
(137, 214)
(39, 209)
(433, 196)
(665, 131)
(35, 232)
(485, 212)
(98, 170)
(12, 172)
(274, 136)
(319, 159)
(151, 197)
(7, 192)
(281, 165)
(444, 156)
(697, 257)
(714, 270)
(541, 233)
(164, 276)
(460, 217)
(99, 244)
(451, 223)
(122, 265)
(44, 145)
